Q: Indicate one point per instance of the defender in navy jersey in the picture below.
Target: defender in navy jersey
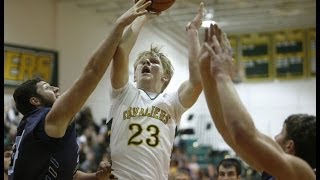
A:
(293, 153)
(49, 158)
(45, 145)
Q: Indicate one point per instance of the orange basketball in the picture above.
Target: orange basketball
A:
(159, 5)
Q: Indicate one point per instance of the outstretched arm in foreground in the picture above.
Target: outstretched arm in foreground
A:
(235, 123)
(190, 90)
(73, 99)
(209, 86)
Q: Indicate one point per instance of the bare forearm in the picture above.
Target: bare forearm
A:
(58, 118)
(251, 143)
(130, 35)
(216, 111)
(103, 55)
(190, 90)
(213, 102)
(236, 116)
(74, 98)
(95, 69)
(193, 50)
(84, 176)
(120, 69)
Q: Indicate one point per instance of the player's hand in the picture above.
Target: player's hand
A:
(221, 37)
(204, 55)
(206, 48)
(220, 52)
(197, 21)
(215, 54)
(138, 9)
(104, 171)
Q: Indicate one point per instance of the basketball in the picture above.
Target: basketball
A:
(159, 5)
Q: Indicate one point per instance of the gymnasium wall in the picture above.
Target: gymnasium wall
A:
(76, 33)
(30, 23)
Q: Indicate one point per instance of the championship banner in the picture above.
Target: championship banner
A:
(23, 63)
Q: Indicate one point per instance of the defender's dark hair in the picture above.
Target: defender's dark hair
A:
(301, 128)
(231, 162)
(23, 93)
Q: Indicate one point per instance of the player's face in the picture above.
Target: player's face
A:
(48, 93)
(229, 173)
(182, 177)
(6, 159)
(149, 68)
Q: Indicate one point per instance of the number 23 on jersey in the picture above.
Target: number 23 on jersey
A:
(135, 139)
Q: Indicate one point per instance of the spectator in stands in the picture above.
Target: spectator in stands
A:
(229, 169)
(7, 151)
(194, 166)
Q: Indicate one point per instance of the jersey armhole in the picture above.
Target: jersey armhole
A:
(179, 108)
(40, 134)
(114, 93)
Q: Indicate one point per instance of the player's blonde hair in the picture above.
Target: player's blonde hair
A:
(166, 63)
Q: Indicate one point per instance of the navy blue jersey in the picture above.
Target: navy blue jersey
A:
(37, 156)
(266, 176)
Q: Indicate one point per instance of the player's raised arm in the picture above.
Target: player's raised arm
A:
(235, 123)
(120, 67)
(190, 90)
(73, 99)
